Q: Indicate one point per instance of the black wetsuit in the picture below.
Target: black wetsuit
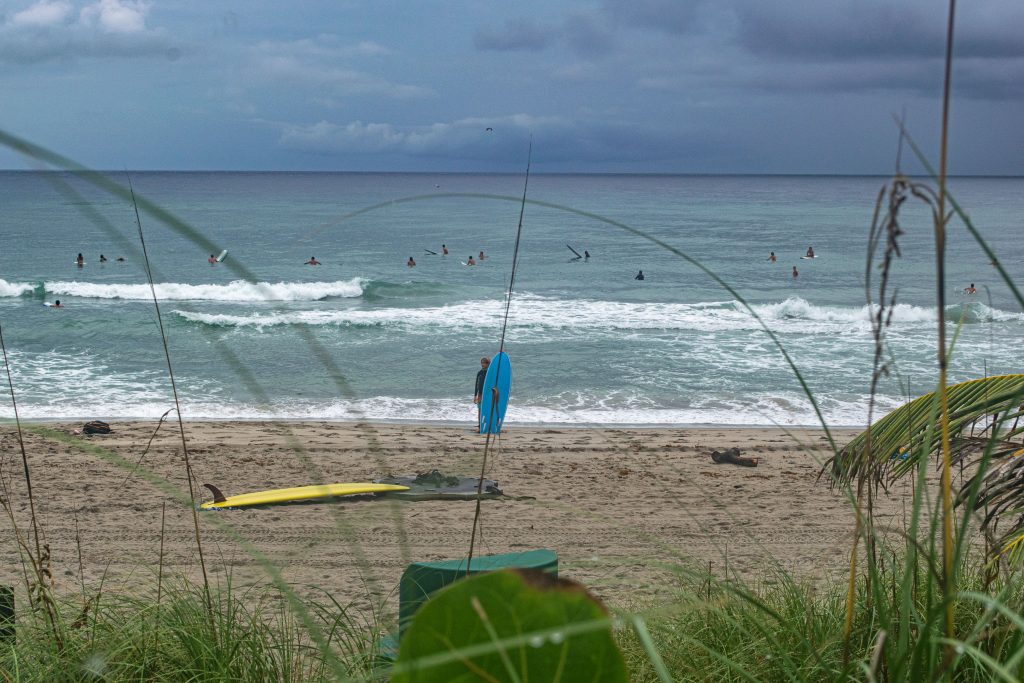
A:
(479, 390)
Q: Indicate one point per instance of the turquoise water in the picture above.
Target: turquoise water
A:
(365, 337)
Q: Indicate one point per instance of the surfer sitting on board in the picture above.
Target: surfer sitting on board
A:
(478, 390)
(810, 252)
(471, 262)
(970, 290)
(411, 262)
(639, 276)
(80, 260)
(313, 262)
(212, 260)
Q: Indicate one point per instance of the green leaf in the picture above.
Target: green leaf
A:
(510, 625)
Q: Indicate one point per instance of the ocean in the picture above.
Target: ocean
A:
(365, 337)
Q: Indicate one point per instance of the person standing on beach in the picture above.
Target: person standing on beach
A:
(478, 390)
(795, 274)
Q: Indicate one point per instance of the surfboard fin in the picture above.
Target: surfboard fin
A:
(218, 497)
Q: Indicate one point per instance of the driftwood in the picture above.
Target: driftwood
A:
(732, 457)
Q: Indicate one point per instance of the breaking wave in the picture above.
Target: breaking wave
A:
(793, 315)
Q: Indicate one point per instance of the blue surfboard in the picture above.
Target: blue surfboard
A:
(492, 410)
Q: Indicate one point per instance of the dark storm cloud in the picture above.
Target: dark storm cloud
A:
(584, 34)
(872, 29)
(23, 48)
(587, 36)
(517, 34)
(672, 16)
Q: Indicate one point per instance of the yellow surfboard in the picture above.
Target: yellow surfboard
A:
(294, 494)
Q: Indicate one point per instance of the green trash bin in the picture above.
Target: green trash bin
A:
(420, 579)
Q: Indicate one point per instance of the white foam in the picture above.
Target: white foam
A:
(237, 291)
(8, 289)
(133, 400)
(791, 316)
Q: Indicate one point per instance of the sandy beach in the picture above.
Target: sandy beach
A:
(617, 505)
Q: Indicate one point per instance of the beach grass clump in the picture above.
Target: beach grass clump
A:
(246, 636)
(781, 629)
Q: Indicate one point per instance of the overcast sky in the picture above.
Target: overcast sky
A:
(649, 86)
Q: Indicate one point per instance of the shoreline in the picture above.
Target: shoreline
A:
(616, 504)
(385, 422)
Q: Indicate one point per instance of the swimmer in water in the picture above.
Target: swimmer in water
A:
(103, 259)
(56, 304)
(771, 257)
(795, 274)
(639, 275)
(411, 262)
(80, 260)
(970, 290)
(212, 260)
(444, 250)
(481, 256)
(313, 262)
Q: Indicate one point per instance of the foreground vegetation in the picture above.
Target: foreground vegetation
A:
(775, 629)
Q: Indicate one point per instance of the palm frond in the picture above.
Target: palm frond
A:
(984, 419)
(894, 445)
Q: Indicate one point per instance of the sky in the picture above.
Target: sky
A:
(599, 86)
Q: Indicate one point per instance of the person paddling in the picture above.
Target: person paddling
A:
(313, 262)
